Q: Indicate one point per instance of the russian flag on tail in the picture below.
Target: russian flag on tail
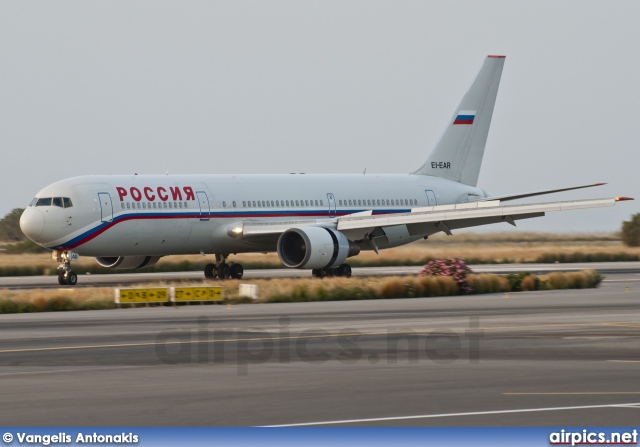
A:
(465, 117)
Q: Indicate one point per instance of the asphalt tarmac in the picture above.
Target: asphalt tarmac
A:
(535, 358)
(115, 279)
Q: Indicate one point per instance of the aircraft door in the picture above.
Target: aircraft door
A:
(332, 205)
(106, 207)
(431, 197)
(203, 201)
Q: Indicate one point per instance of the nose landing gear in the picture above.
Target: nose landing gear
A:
(66, 277)
(223, 270)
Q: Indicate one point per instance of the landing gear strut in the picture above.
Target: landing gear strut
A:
(223, 270)
(66, 277)
(343, 270)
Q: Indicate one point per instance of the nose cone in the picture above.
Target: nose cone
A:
(32, 223)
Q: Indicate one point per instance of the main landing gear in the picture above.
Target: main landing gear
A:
(66, 277)
(343, 270)
(223, 270)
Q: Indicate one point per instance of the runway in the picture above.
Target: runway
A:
(536, 358)
(115, 279)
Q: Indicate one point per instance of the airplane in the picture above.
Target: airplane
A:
(313, 222)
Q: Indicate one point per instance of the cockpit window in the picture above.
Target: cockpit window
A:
(62, 202)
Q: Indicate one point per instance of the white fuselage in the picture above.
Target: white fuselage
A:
(158, 215)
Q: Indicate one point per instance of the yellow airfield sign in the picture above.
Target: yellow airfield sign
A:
(151, 295)
(197, 294)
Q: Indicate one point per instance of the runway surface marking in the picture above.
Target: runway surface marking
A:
(293, 337)
(577, 393)
(445, 415)
(428, 332)
(624, 361)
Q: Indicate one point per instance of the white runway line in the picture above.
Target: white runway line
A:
(444, 415)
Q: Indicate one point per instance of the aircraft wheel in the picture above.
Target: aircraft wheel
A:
(344, 270)
(61, 279)
(210, 271)
(224, 272)
(72, 278)
(236, 271)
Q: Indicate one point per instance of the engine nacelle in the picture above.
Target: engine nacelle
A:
(127, 262)
(314, 248)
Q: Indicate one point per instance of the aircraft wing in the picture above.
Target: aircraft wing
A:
(538, 193)
(420, 221)
(430, 220)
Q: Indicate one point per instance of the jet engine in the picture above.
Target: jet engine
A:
(127, 262)
(314, 248)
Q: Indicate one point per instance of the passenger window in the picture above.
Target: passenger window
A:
(360, 202)
(369, 202)
(224, 204)
(44, 202)
(165, 204)
(122, 205)
(340, 202)
(170, 206)
(321, 203)
(144, 205)
(234, 203)
(244, 204)
(297, 203)
(128, 205)
(277, 203)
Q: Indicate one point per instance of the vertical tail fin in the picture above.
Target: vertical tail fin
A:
(458, 154)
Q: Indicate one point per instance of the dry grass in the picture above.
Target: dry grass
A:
(303, 289)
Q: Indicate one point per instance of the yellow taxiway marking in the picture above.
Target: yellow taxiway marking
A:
(629, 324)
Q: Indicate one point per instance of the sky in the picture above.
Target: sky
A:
(122, 87)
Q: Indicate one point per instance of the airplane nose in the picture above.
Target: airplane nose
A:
(32, 223)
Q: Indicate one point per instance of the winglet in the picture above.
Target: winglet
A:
(622, 199)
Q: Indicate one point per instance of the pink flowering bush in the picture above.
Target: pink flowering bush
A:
(455, 268)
